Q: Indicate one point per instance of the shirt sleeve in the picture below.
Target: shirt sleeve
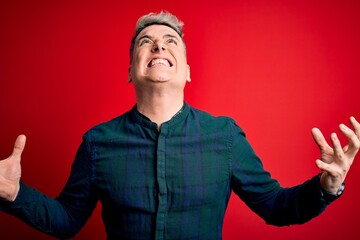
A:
(63, 216)
(276, 205)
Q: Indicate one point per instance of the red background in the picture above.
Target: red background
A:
(278, 67)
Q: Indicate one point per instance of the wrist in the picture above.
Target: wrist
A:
(10, 195)
(14, 196)
(339, 191)
(332, 190)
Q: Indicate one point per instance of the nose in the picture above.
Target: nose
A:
(158, 47)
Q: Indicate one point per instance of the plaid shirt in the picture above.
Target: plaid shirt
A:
(169, 184)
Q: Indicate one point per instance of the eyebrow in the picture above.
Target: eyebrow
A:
(170, 36)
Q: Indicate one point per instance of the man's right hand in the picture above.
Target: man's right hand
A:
(10, 171)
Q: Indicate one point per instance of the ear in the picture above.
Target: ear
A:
(188, 78)
(129, 75)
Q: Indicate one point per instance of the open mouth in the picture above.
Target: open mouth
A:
(162, 61)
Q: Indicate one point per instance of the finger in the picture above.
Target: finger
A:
(338, 151)
(354, 142)
(356, 126)
(319, 139)
(330, 169)
(324, 167)
(19, 146)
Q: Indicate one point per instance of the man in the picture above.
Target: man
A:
(165, 170)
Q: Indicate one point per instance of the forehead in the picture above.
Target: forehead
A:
(157, 31)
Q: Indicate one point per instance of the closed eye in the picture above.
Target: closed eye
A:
(172, 40)
(144, 41)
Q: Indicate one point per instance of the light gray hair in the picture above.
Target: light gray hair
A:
(162, 18)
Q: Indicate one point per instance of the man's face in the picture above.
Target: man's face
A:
(159, 57)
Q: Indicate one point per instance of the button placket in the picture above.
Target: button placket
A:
(161, 180)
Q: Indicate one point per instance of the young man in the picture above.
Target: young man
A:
(165, 170)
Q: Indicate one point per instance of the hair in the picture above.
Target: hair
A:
(162, 18)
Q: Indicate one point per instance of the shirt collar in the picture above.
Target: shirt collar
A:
(146, 122)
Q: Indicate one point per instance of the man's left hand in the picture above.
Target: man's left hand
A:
(335, 161)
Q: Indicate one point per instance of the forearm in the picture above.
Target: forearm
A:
(46, 214)
(299, 204)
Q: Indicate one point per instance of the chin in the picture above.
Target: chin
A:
(160, 78)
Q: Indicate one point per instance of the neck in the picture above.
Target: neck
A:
(159, 108)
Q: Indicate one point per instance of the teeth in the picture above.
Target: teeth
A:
(160, 61)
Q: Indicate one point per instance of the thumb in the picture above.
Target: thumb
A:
(19, 146)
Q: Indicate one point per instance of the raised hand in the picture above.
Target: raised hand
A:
(10, 171)
(336, 161)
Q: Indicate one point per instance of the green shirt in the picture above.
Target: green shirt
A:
(169, 184)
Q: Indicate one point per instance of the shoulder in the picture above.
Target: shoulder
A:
(211, 122)
(108, 129)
